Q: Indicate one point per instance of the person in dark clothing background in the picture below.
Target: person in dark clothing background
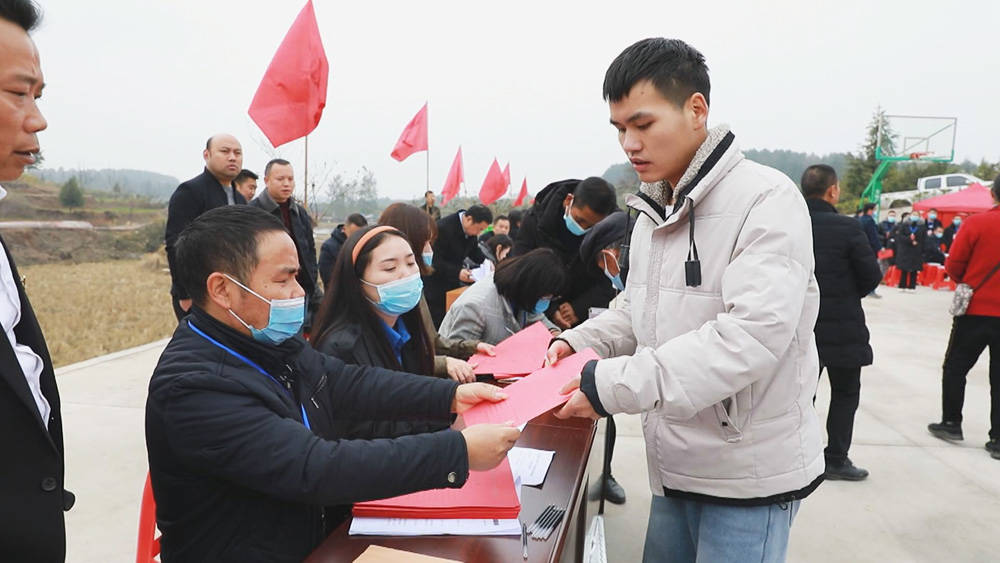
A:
(212, 188)
(246, 183)
(562, 214)
(429, 208)
(456, 241)
(932, 220)
(846, 271)
(33, 497)
(331, 247)
(501, 226)
(887, 227)
(933, 247)
(910, 235)
(277, 199)
(242, 449)
(951, 230)
(516, 217)
(872, 232)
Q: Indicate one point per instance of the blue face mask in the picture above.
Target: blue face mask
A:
(284, 321)
(914, 218)
(428, 258)
(571, 223)
(957, 221)
(616, 280)
(892, 219)
(400, 296)
(932, 216)
(541, 306)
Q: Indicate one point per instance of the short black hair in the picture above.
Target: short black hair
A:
(243, 176)
(525, 279)
(480, 214)
(224, 240)
(516, 216)
(357, 219)
(868, 207)
(272, 162)
(676, 69)
(817, 179)
(23, 13)
(428, 192)
(595, 193)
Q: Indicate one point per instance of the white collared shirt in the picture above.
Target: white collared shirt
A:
(10, 315)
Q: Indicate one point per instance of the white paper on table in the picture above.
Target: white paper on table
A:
(530, 465)
(484, 271)
(434, 527)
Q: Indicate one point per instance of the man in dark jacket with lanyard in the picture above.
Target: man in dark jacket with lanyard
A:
(212, 188)
(32, 493)
(846, 270)
(238, 402)
(456, 241)
(563, 212)
(276, 199)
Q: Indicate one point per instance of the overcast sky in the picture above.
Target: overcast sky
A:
(143, 84)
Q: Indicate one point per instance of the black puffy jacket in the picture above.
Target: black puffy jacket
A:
(846, 270)
(236, 474)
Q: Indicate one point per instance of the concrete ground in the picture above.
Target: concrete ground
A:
(926, 500)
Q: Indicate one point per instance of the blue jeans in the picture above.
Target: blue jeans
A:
(690, 531)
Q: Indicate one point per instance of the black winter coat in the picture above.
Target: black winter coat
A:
(350, 344)
(328, 254)
(846, 271)
(236, 474)
(910, 240)
(451, 249)
(302, 234)
(544, 227)
(190, 200)
(32, 497)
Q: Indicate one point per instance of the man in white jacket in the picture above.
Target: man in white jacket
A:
(714, 342)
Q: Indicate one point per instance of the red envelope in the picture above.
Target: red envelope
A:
(521, 353)
(533, 395)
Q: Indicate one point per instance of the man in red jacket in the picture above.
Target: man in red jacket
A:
(974, 260)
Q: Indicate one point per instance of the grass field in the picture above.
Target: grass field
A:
(91, 309)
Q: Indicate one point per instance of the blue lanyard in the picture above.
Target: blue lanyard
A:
(247, 361)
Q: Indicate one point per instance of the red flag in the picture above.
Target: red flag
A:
(456, 176)
(493, 186)
(290, 99)
(414, 136)
(523, 194)
(506, 175)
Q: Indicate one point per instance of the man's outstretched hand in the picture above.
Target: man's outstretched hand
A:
(578, 404)
(469, 395)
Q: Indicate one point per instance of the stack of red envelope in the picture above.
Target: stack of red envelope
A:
(486, 494)
(518, 355)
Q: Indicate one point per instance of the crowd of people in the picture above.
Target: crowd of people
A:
(297, 382)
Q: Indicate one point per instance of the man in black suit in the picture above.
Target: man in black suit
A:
(456, 241)
(32, 493)
(846, 271)
(212, 188)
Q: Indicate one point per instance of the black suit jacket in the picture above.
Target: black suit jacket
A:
(189, 200)
(32, 493)
(451, 249)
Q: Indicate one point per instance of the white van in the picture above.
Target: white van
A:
(947, 182)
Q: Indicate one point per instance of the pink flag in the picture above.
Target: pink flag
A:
(456, 176)
(523, 194)
(506, 175)
(414, 136)
(290, 99)
(493, 185)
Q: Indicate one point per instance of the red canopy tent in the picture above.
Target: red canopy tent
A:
(974, 199)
